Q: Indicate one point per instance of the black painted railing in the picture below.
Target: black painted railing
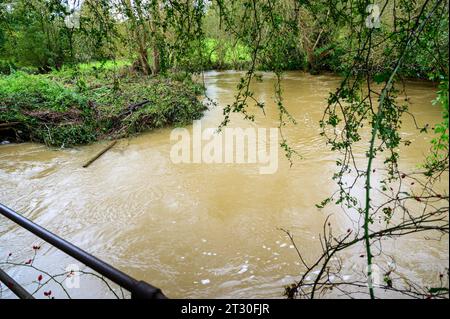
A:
(138, 289)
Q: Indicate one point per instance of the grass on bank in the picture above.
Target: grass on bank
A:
(80, 105)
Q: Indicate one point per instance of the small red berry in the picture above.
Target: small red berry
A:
(28, 262)
(39, 277)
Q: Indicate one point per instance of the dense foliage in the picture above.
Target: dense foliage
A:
(70, 107)
(197, 35)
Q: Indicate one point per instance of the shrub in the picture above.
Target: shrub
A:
(45, 110)
(88, 106)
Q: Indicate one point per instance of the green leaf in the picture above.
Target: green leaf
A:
(437, 290)
(381, 77)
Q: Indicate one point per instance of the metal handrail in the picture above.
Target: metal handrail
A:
(14, 286)
(138, 289)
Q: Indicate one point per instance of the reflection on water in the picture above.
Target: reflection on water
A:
(198, 230)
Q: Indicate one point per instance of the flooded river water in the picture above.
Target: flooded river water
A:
(197, 230)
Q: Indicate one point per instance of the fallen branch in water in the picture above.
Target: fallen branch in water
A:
(99, 154)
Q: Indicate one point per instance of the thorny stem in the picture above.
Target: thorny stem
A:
(378, 117)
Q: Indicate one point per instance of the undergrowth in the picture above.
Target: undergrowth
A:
(80, 105)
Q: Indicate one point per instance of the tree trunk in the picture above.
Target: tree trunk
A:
(156, 61)
(156, 68)
(143, 59)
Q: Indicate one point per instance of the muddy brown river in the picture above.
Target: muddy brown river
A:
(199, 230)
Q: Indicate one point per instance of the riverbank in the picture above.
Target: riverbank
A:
(94, 101)
(81, 105)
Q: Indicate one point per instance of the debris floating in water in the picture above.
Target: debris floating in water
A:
(205, 281)
(92, 160)
(243, 269)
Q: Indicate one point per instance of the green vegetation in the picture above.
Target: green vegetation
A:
(223, 55)
(438, 158)
(77, 106)
(45, 111)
